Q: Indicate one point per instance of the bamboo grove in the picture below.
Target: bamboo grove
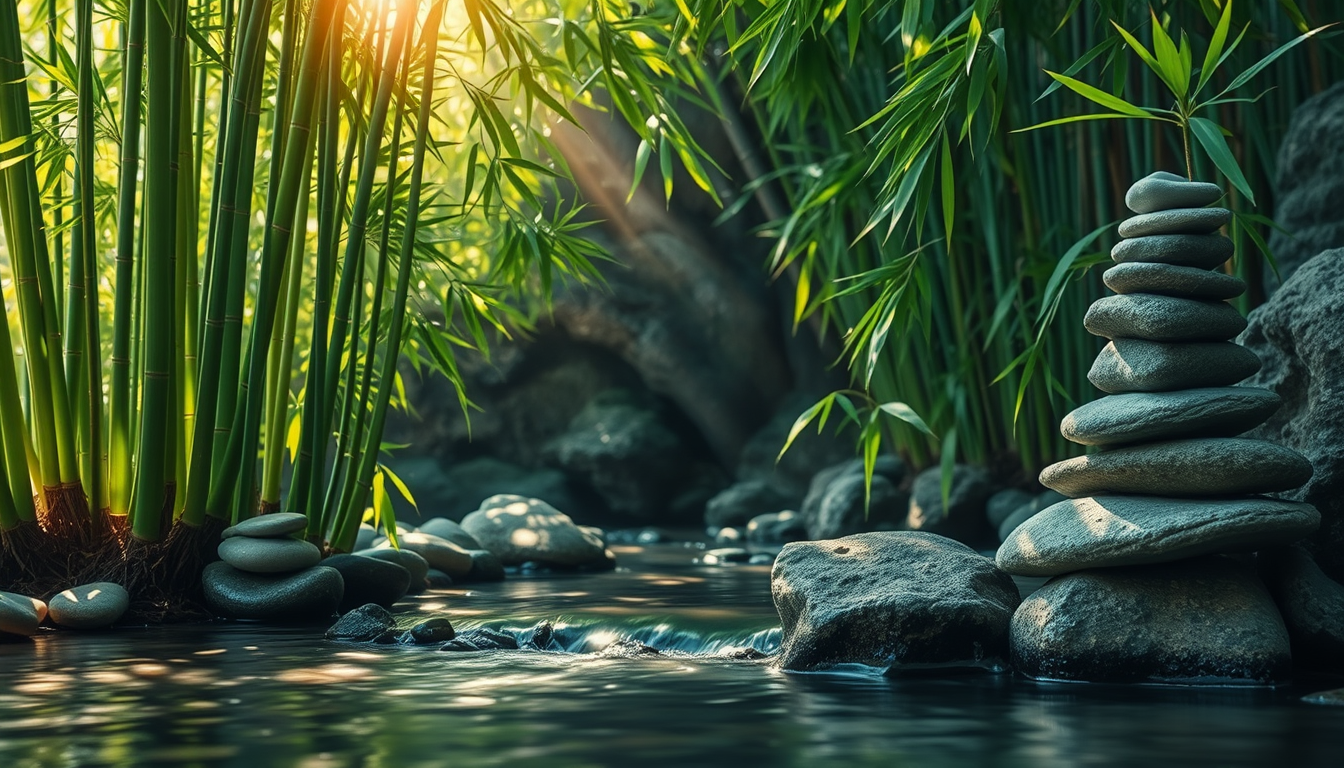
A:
(227, 227)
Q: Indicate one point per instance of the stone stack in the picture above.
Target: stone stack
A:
(1170, 480)
(267, 574)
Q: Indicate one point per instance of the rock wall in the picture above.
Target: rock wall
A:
(1309, 183)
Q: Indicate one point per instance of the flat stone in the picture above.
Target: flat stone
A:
(519, 530)
(1170, 280)
(314, 593)
(439, 553)
(417, 565)
(1136, 365)
(91, 606)
(270, 526)
(1147, 416)
(280, 555)
(39, 607)
(1108, 531)
(369, 580)
(1312, 605)
(19, 614)
(1203, 621)
(1199, 467)
(1200, 251)
(1176, 221)
(432, 630)
(1162, 318)
(894, 599)
(362, 624)
(449, 530)
(1163, 191)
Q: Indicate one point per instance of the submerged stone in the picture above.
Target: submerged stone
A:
(1202, 621)
(890, 599)
(1135, 365)
(726, 556)
(91, 606)
(1163, 318)
(369, 580)
(363, 624)
(1169, 280)
(1146, 416)
(1162, 191)
(1175, 221)
(1108, 531)
(432, 630)
(278, 555)
(1212, 467)
(273, 525)
(312, 593)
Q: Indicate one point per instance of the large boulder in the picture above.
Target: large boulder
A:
(846, 508)
(310, 594)
(891, 599)
(520, 530)
(1299, 336)
(1309, 184)
(739, 503)
(887, 466)
(1204, 620)
(963, 516)
(1312, 606)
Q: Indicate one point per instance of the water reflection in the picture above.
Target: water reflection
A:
(235, 695)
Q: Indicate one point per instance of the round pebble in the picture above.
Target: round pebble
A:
(1147, 416)
(91, 606)
(1176, 221)
(280, 555)
(1162, 190)
(1136, 365)
(1200, 467)
(1163, 318)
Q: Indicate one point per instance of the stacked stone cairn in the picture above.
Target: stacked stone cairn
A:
(267, 574)
(1152, 580)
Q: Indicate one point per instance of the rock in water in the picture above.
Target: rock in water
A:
(890, 599)
(1199, 251)
(92, 606)
(485, 566)
(272, 555)
(362, 624)
(1176, 221)
(1162, 191)
(1135, 365)
(740, 502)
(1107, 531)
(1312, 605)
(19, 615)
(439, 553)
(1163, 318)
(433, 630)
(450, 531)
(271, 526)
(1148, 416)
(520, 530)
(776, 528)
(369, 580)
(407, 559)
(310, 594)
(1207, 620)
(1210, 466)
(1168, 280)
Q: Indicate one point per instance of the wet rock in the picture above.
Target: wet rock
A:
(725, 556)
(1198, 251)
(745, 654)
(627, 648)
(541, 637)
(1107, 531)
(363, 624)
(963, 517)
(439, 553)
(1214, 466)
(271, 526)
(1162, 318)
(776, 528)
(412, 562)
(729, 537)
(437, 579)
(20, 615)
(596, 532)
(1168, 280)
(890, 599)
(1299, 333)
(1135, 365)
(459, 645)
(313, 593)
(1312, 605)
(1309, 183)
(430, 631)
(450, 531)
(1207, 620)
(1148, 416)
(518, 530)
(369, 580)
(739, 503)
(482, 639)
(1176, 221)
(843, 511)
(1334, 698)
(888, 466)
(485, 566)
(1162, 190)
(91, 606)
(275, 555)
(1005, 503)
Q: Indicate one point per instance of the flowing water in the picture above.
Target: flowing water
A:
(243, 695)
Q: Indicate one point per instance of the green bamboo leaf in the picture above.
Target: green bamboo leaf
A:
(1259, 66)
(401, 487)
(1055, 285)
(1168, 59)
(947, 463)
(804, 419)
(1212, 57)
(641, 162)
(1099, 96)
(906, 414)
(1077, 66)
(1138, 49)
(1084, 118)
(949, 191)
(1210, 136)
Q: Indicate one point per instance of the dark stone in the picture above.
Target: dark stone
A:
(887, 465)
(311, 594)
(1199, 251)
(437, 579)
(274, 555)
(438, 553)
(729, 537)
(843, 511)
(1209, 466)
(1005, 503)
(1208, 620)
(1162, 318)
(1168, 280)
(809, 452)
(740, 502)
(963, 518)
(485, 566)
(627, 648)
(541, 637)
(486, 639)
(1309, 183)
(90, 606)
(417, 565)
(1312, 605)
(726, 556)
(1146, 416)
(1107, 531)
(1161, 191)
(362, 624)
(1026, 511)
(369, 580)
(776, 528)
(270, 526)
(1135, 365)
(1175, 221)
(433, 630)
(745, 654)
(459, 645)
(1299, 333)
(890, 599)
(761, 558)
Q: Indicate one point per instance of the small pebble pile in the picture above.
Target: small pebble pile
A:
(1170, 481)
(265, 573)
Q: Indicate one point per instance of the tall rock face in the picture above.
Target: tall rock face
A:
(1299, 335)
(1170, 479)
(1309, 187)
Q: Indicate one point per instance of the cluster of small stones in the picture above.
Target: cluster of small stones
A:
(1170, 479)
(90, 606)
(265, 572)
